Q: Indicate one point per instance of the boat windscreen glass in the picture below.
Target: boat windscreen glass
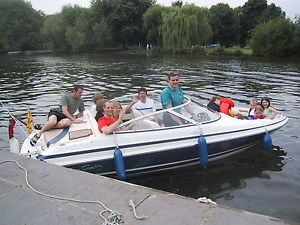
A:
(186, 114)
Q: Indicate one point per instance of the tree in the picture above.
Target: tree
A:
(20, 25)
(270, 13)
(103, 35)
(80, 35)
(177, 3)
(184, 27)
(153, 24)
(225, 25)
(250, 17)
(296, 41)
(54, 31)
(255, 12)
(71, 30)
(124, 17)
(274, 38)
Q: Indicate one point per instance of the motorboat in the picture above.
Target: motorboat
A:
(165, 139)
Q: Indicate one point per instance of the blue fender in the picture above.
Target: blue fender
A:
(202, 149)
(266, 141)
(119, 164)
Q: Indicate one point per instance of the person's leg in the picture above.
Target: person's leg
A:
(63, 123)
(52, 121)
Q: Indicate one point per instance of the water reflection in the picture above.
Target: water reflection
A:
(196, 182)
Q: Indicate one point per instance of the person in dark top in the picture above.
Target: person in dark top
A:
(214, 103)
(99, 108)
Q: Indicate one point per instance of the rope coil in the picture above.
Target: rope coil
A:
(113, 218)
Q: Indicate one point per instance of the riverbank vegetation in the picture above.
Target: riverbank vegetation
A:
(120, 24)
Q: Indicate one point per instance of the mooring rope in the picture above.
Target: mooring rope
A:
(114, 217)
(143, 217)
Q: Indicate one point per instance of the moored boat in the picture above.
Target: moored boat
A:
(154, 143)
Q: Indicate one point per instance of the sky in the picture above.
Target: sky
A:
(290, 7)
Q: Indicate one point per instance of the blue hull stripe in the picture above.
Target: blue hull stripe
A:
(58, 137)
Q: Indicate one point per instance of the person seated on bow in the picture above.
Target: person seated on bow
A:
(268, 110)
(259, 113)
(64, 115)
(214, 103)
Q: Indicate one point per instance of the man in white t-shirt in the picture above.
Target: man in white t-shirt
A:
(145, 104)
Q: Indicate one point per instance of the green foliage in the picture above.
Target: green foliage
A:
(153, 24)
(103, 35)
(250, 17)
(124, 17)
(54, 31)
(177, 3)
(184, 27)
(20, 25)
(80, 35)
(225, 25)
(274, 38)
(270, 13)
(70, 31)
(296, 39)
(255, 12)
(238, 51)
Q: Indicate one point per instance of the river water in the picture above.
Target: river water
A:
(255, 180)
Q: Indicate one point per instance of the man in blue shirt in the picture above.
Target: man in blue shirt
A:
(172, 95)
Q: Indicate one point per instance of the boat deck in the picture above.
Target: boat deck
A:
(20, 205)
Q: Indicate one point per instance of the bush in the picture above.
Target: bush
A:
(275, 38)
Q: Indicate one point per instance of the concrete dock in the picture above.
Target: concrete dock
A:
(20, 205)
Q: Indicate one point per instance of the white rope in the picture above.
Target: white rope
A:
(114, 217)
(199, 125)
(134, 211)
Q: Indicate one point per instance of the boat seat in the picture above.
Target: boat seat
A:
(80, 133)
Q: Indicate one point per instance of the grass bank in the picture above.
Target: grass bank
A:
(196, 51)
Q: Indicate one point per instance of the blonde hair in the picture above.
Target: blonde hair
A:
(253, 101)
(117, 104)
(259, 108)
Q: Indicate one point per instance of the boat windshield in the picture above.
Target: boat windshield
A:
(186, 114)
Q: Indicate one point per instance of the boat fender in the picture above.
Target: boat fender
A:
(266, 141)
(119, 164)
(249, 118)
(14, 145)
(202, 149)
